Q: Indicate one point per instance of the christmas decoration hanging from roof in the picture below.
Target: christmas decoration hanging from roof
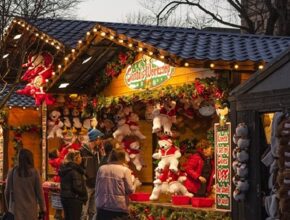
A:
(39, 70)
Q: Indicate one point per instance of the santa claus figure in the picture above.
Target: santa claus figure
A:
(200, 170)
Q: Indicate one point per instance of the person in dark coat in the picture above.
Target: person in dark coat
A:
(91, 155)
(27, 189)
(72, 186)
(200, 170)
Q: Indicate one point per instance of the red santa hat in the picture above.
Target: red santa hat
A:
(165, 140)
(47, 59)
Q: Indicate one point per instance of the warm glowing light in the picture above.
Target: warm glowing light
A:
(95, 30)
(103, 34)
(162, 57)
(66, 58)
(53, 73)
(73, 50)
(80, 41)
(46, 40)
(86, 60)
(47, 80)
(5, 55)
(186, 64)
(59, 66)
(63, 85)
(88, 33)
(236, 66)
(140, 49)
(150, 53)
(112, 37)
(37, 34)
(121, 41)
(58, 47)
(261, 66)
(212, 65)
(10, 107)
(130, 45)
(24, 107)
(52, 43)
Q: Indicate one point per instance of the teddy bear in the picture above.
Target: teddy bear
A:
(132, 121)
(161, 120)
(242, 170)
(131, 146)
(54, 125)
(66, 117)
(76, 122)
(122, 130)
(238, 195)
(168, 154)
(175, 182)
(160, 183)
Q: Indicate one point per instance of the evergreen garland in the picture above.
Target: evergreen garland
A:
(17, 138)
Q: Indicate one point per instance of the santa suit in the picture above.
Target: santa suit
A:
(193, 169)
(169, 157)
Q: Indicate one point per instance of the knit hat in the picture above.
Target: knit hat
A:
(94, 134)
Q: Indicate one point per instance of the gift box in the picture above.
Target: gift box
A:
(140, 196)
(180, 200)
(202, 202)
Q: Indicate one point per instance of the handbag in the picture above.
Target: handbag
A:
(9, 215)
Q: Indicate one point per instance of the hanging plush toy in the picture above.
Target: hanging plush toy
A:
(132, 121)
(55, 125)
(123, 130)
(161, 120)
(175, 181)
(168, 154)
(131, 146)
(160, 183)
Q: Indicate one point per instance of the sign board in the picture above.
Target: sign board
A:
(147, 73)
(223, 166)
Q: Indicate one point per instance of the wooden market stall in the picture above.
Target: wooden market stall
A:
(104, 70)
(263, 104)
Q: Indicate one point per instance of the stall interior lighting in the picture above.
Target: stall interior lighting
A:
(18, 36)
(5, 55)
(63, 85)
(86, 60)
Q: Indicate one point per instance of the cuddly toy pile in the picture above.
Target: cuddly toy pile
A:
(240, 158)
(168, 178)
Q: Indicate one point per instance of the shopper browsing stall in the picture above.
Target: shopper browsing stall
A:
(91, 154)
(200, 170)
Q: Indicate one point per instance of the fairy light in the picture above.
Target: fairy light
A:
(140, 49)
(121, 41)
(80, 42)
(130, 45)
(73, 50)
(103, 34)
(261, 66)
(10, 107)
(37, 34)
(24, 107)
(59, 66)
(236, 66)
(150, 53)
(95, 30)
(58, 47)
(186, 64)
(66, 58)
(212, 65)
(88, 33)
(161, 56)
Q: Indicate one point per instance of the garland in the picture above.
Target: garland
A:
(159, 212)
(17, 139)
(114, 68)
(209, 89)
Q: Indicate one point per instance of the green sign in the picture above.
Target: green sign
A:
(147, 73)
(223, 165)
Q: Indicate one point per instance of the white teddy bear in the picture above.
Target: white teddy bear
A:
(131, 146)
(161, 120)
(176, 187)
(54, 125)
(123, 130)
(168, 154)
(132, 121)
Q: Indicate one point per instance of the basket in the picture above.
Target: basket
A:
(180, 200)
(202, 202)
(140, 196)
(56, 201)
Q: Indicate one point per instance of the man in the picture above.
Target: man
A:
(91, 155)
(113, 187)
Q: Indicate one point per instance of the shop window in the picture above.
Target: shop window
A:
(267, 126)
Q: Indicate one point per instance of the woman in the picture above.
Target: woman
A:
(72, 186)
(113, 186)
(26, 188)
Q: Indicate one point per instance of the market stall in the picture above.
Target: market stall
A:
(262, 103)
(160, 98)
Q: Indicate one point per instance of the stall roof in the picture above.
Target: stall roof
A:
(266, 90)
(73, 41)
(15, 99)
(186, 43)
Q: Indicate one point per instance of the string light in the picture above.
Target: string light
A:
(186, 64)
(236, 66)
(212, 65)
(121, 41)
(112, 37)
(80, 42)
(37, 34)
(24, 107)
(103, 34)
(10, 107)
(130, 45)
(95, 30)
(73, 50)
(88, 33)
(261, 66)
(57, 47)
(162, 57)
(140, 49)
(150, 53)
(59, 66)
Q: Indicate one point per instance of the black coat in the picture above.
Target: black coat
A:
(72, 184)
(90, 162)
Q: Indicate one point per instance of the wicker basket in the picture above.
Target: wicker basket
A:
(56, 201)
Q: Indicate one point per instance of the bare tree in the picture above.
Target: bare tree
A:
(267, 17)
(10, 65)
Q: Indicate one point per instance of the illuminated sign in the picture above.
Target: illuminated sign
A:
(223, 165)
(147, 73)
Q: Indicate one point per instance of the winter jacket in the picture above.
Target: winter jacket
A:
(27, 194)
(90, 162)
(193, 168)
(72, 184)
(113, 186)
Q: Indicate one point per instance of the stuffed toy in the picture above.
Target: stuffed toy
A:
(283, 129)
(122, 130)
(238, 195)
(54, 125)
(168, 154)
(66, 117)
(161, 120)
(175, 182)
(76, 122)
(242, 155)
(242, 185)
(241, 130)
(132, 121)
(206, 109)
(107, 127)
(243, 143)
(160, 183)
(131, 146)
(242, 170)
